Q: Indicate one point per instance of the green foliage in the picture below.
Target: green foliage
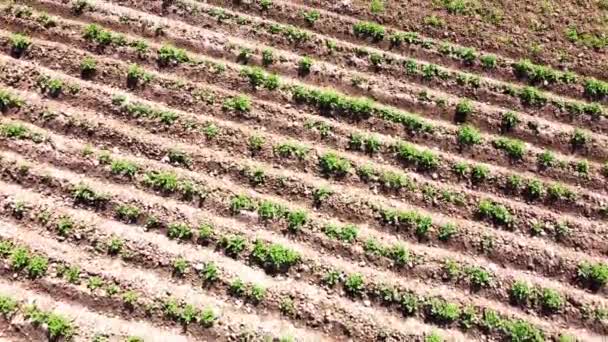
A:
(123, 168)
(311, 16)
(354, 284)
(399, 38)
(233, 244)
(265, 4)
(433, 337)
(479, 277)
(168, 54)
(180, 231)
(180, 266)
(546, 159)
(304, 66)
(296, 219)
(495, 212)
(594, 276)
(332, 164)
(479, 173)
(7, 306)
(88, 67)
(239, 103)
(274, 257)
(178, 157)
(488, 61)
(58, 326)
(579, 139)
(80, 6)
(424, 160)
(522, 331)
(19, 43)
(258, 77)
(509, 121)
(241, 202)
(551, 300)
(464, 108)
(347, 233)
(521, 293)
(291, 149)
(14, 130)
(366, 29)
(446, 231)
(37, 266)
(442, 311)
(514, 148)
(127, 213)
(84, 194)
(210, 272)
(376, 6)
(137, 75)
(535, 189)
(255, 143)
(531, 96)
(268, 210)
(596, 89)
(468, 135)
(330, 101)
(100, 36)
(8, 101)
(524, 68)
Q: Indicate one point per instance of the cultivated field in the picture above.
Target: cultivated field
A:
(304, 170)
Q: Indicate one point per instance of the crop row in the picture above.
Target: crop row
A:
(546, 159)
(291, 39)
(268, 211)
(355, 285)
(246, 174)
(414, 43)
(389, 180)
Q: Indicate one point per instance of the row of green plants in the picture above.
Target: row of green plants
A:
(186, 189)
(234, 243)
(355, 285)
(334, 101)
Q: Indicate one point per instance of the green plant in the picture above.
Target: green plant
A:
(521, 292)
(84, 194)
(354, 284)
(496, 212)
(463, 110)
(94, 283)
(531, 96)
(8, 101)
(88, 67)
(180, 231)
(71, 273)
(582, 167)
(180, 266)
(347, 233)
(479, 173)
(330, 163)
(233, 244)
(509, 121)
(64, 225)
(446, 231)
(137, 75)
(128, 213)
(595, 276)
(37, 266)
(311, 16)
(424, 160)
(7, 306)
(304, 66)
(240, 103)
(241, 202)
(488, 61)
(518, 330)
(80, 6)
(255, 143)
(296, 219)
(366, 29)
(579, 139)
(376, 6)
(19, 43)
(320, 194)
(551, 300)
(97, 34)
(479, 277)
(178, 157)
(210, 272)
(468, 135)
(433, 337)
(596, 89)
(265, 4)
(546, 159)
(514, 148)
(443, 311)
(535, 189)
(168, 54)
(256, 293)
(267, 57)
(274, 257)
(268, 210)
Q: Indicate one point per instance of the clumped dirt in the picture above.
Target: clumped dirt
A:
(164, 188)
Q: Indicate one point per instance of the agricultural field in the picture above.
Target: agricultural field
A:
(304, 170)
